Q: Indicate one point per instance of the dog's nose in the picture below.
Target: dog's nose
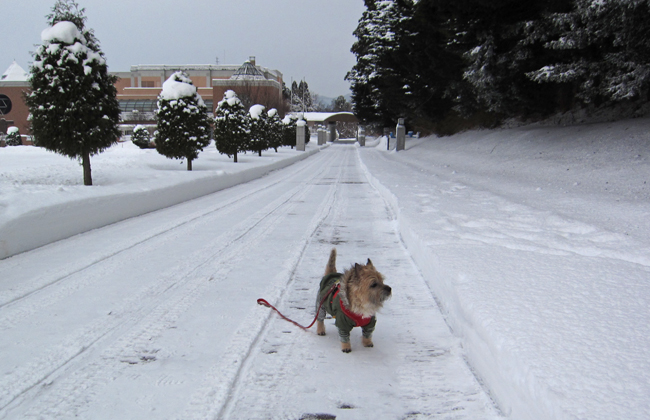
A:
(388, 290)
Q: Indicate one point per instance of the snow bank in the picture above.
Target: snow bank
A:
(39, 206)
(535, 244)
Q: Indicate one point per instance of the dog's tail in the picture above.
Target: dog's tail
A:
(331, 263)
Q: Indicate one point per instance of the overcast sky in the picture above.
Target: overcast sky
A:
(308, 39)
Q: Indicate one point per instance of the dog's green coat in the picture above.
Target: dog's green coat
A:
(332, 306)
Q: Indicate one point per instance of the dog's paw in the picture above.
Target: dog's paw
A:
(367, 342)
(320, 328)
(346, 348)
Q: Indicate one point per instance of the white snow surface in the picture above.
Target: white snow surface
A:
(14, 73)
(255, 111)
(536, 242)
(519, 261)
(173, 89)
(63, 31)
(43, 199)
(12, 129)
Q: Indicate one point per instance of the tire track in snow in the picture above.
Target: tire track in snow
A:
(51, 278)
(285, 376)
(143, 303)
(213, 399)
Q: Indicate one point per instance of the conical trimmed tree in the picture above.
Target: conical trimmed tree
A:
(73, 105)
(183, 122)
(276, 128)
(260, 130)
(231, 126)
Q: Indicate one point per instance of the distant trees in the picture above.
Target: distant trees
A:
(72, 102)
(183, 122)
(301, 99)
(432, 60)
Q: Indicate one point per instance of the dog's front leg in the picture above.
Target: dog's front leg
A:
(320, 327)
(366, 338)
(345, 341)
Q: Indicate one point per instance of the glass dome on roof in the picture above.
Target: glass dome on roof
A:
(248, 72)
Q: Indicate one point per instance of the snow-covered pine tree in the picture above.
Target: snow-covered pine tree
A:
(377, 79)
(231, 126)
(275, 129)
(604, 50)
(259, 129)
(183, 122)
(13, 137)
(289, 124)
(289, 130)
(73, 105)
(141, 137)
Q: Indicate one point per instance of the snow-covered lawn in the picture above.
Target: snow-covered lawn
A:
(43, 199)
(535, 242)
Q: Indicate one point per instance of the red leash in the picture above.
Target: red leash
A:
(263, 302)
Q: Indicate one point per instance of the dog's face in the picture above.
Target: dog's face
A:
(367, 291)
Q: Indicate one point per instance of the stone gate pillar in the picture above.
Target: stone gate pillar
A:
(362, 136)
(332, 131)
(400, 133)
(300, 135)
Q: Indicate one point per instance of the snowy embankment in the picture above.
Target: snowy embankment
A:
(42, 197)
(535, 241)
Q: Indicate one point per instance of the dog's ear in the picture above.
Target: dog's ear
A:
(357, 270)
(369, 263)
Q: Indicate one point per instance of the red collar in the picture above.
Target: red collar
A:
(359, 320)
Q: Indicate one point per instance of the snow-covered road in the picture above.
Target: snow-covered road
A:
(156, 317)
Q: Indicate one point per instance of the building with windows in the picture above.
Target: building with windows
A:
(138, 90)
(13, 110)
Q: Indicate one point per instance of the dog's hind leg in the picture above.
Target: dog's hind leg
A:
(331, 263)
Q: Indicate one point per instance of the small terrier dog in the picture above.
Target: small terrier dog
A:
(352, 298)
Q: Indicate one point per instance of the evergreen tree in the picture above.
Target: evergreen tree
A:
(275, 129)
(259, 129)
(73, 105)
(141, 137)
(183, 122)
(302, 100)
(378, 85)
(289, 130)
(340, 104)
(231, 126)
(602, 50)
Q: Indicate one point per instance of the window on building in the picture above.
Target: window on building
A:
(147, 84)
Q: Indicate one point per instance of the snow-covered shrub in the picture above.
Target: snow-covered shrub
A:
(231, 126)
(13, 137)
(141, 137)
(183, 122)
